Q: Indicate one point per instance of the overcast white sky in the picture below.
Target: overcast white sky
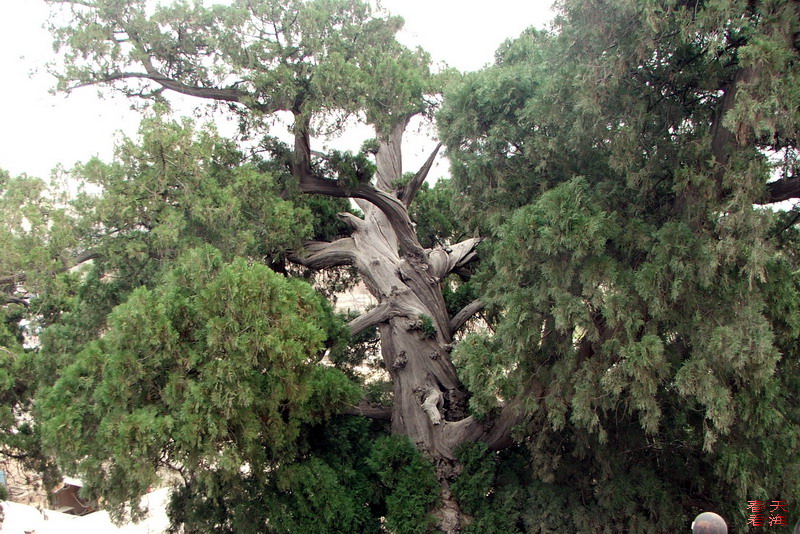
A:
(39, 130)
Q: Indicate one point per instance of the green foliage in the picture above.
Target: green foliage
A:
(19, 436)
(634, 285)
(326, 226)
(379, 392)
(457, 294)
(483, 369)
(179, 356)
(511, 492)
(36, 233)
(214, 366)
(434, 212)
(355, 351)
(370, 146)
(176, 187)
(427, 328)
(171, 190)
(408, 485)
(629, 269)
(349, 169)
(482, 123)
(492, 488)
(178, 349)
(349, 479)
(329, 489)
(320, 497)
(326, 59)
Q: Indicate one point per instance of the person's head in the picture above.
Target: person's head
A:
(709, 523)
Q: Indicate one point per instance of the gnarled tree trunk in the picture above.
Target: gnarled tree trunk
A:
(405, 279)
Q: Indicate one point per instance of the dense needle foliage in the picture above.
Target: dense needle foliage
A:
(641, 296)
(638, 279)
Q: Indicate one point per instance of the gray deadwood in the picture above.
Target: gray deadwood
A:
(430, 403)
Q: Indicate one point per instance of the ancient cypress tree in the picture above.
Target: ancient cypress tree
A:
(317, 63)
(638, 361)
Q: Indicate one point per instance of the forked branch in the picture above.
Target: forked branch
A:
(389, 157)
(392, 208)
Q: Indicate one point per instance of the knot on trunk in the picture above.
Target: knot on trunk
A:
(425, 325)
(400, 361)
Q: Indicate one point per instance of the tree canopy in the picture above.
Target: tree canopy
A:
(639, 278)
(591, 326)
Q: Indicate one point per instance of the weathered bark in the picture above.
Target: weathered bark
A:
(464, 314)
(430, 403)
(319, 255)
(367, 409)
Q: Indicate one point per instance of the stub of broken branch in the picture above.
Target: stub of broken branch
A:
(432, 405)
(410, 191)
(446, 260)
